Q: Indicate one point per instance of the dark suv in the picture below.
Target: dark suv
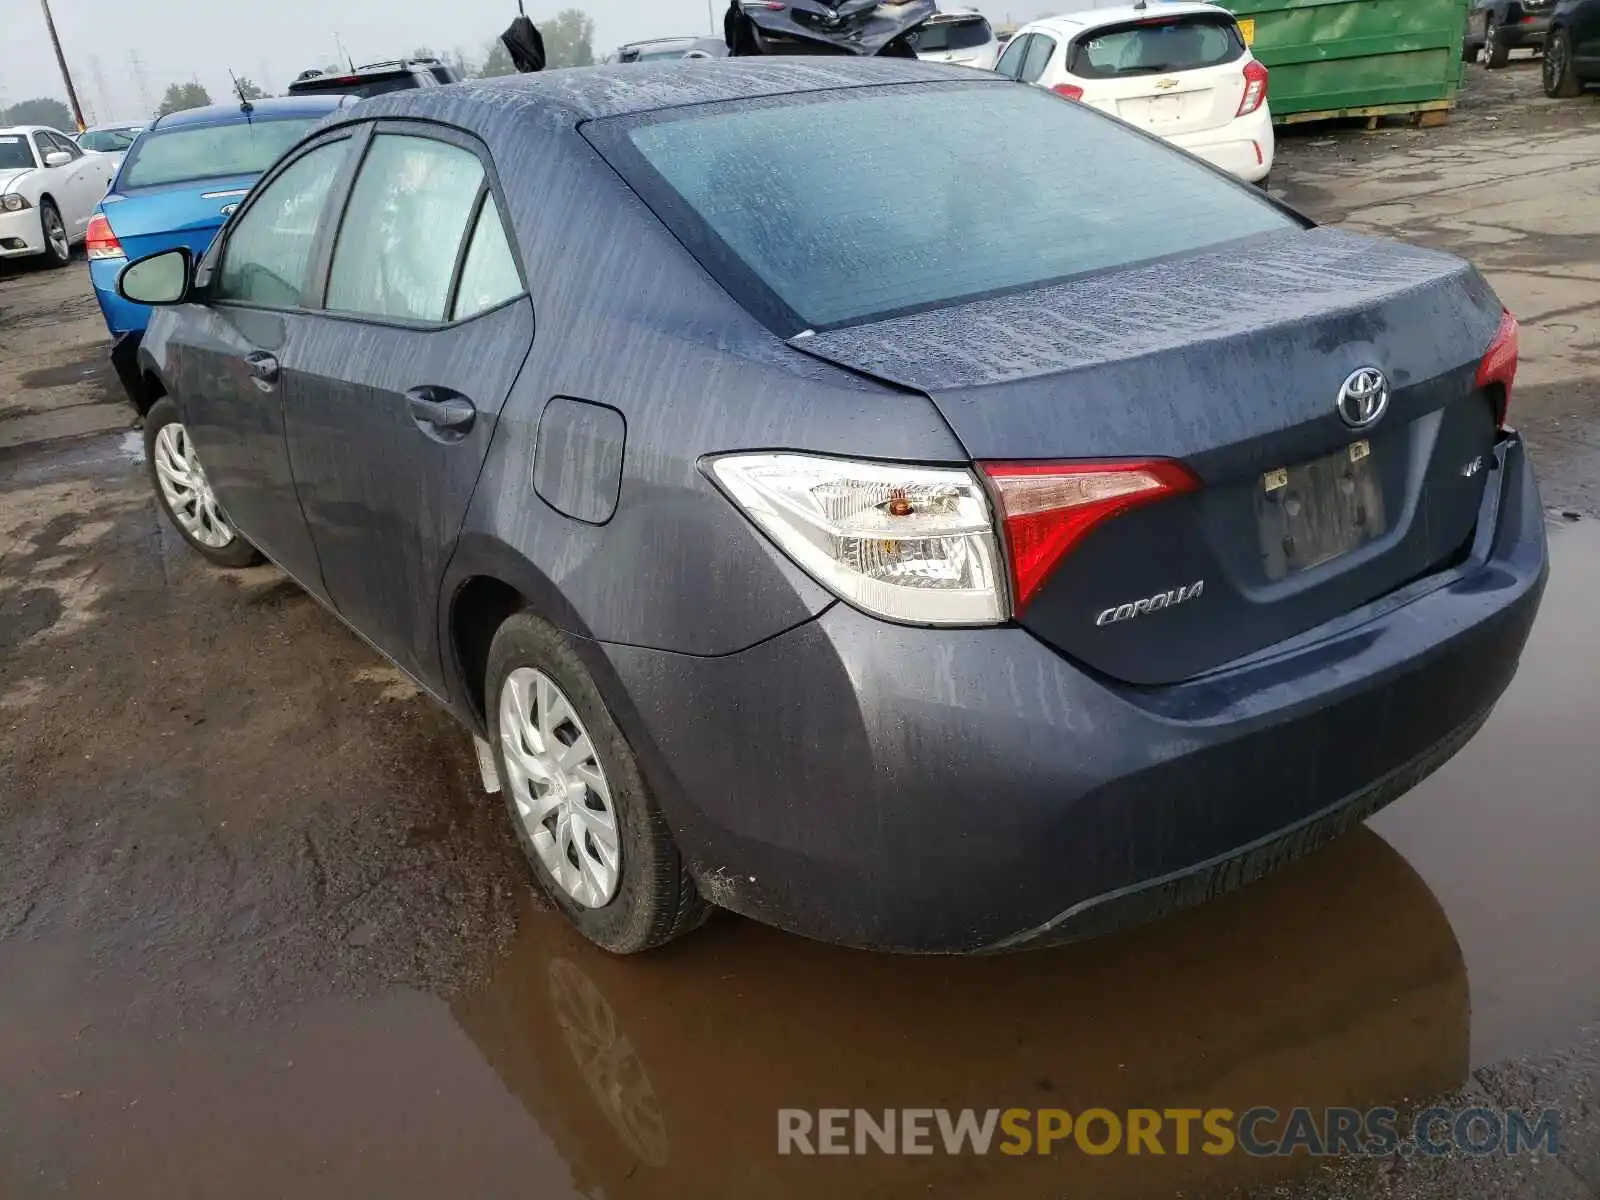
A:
(1497, 27)
(375, 79)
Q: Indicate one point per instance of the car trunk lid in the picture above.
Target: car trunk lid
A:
(1230, 362)
(146, 220)
(1167, 74)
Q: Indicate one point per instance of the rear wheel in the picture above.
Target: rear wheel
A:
(1496, 53)
(588, 826)
(57, 249)
(185, 492)
(1560, 81)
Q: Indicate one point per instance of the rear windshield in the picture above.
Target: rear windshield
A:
(210, 151)
(108, 141)
(913, 197)
(966, 34)
(1161, 45)
(360, 87)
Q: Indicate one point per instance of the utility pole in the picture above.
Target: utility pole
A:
(61, 61)
(138, 81)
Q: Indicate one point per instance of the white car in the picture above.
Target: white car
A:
(48, 191)
(1181, 71)
(113, 140)
(959, 35)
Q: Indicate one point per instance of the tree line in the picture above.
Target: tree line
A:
(568, 42)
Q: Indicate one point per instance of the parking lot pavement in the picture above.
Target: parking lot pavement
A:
(262, 935)
(56, 379)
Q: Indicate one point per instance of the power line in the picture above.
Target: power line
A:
(138, 79)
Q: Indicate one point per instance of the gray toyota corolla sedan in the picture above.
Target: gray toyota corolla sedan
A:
(893, 503)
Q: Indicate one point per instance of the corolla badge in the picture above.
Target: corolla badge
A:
(1152, 604)
(1363, 398)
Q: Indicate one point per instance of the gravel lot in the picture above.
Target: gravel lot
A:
(261, 933)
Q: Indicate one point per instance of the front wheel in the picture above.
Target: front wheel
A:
(185, 492)
(588, 825)
(1560, 81)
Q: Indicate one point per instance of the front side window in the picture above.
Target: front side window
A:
(971, 189)
(489, 275)
(402, 230)
(268, 253)
(210, 151)
(64, 144)
(1010, 64)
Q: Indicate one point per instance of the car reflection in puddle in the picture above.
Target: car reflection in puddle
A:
(1337, 982)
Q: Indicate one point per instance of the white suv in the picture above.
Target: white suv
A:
(961, 35)
(1180, 71)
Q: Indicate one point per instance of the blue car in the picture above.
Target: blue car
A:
(177, 185)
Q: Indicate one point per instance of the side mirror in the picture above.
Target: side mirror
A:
(57, 158)
(161, 278)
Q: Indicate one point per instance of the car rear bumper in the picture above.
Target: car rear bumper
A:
(1244, 147)
(21, 234)
(960, 790)
(121, 316)
(1530, 31)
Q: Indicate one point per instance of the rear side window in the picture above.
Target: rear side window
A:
(1014, 55)
(402, 230)
(489, 274)
(1039, 51)
(269, 250)
(965, 33)
(954, 200)
(1156, 47)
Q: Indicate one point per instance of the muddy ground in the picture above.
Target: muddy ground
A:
(262, 935)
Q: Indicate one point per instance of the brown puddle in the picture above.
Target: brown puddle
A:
(1376, 972)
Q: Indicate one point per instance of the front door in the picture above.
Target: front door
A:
(391, 402)
(229, 374)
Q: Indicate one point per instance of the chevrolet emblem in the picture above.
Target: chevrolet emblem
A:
(1164, 84)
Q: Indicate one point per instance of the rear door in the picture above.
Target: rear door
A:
(391, 404)
(1171, 75)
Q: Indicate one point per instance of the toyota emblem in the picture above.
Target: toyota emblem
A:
(1363, 398)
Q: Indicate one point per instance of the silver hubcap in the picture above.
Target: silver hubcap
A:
(560, 788)
(56, 232)
(187, 492)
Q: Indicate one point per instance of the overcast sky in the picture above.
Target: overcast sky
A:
(271, 41)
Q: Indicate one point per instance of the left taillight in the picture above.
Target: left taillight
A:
(1048, 508)
(1255, 88)
(1498, 367)
(99, 241)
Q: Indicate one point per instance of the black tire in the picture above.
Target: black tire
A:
(1561, 82)
(1265, 182)
(1496, 53)
(1469, 50)
(235, 553)
(656, 899)
(52, 258)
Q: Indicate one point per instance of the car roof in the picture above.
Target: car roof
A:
(270, 109)
(1073, 23)
(594, 93)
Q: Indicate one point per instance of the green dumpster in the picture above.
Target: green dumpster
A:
(1356, 58)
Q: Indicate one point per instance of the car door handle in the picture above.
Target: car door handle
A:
(442, 410)
(262, 366)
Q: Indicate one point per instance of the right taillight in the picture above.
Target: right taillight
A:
(1048, 508)
(1255, 88)
(1498, 367)
(1068, 90)
(99, 241)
